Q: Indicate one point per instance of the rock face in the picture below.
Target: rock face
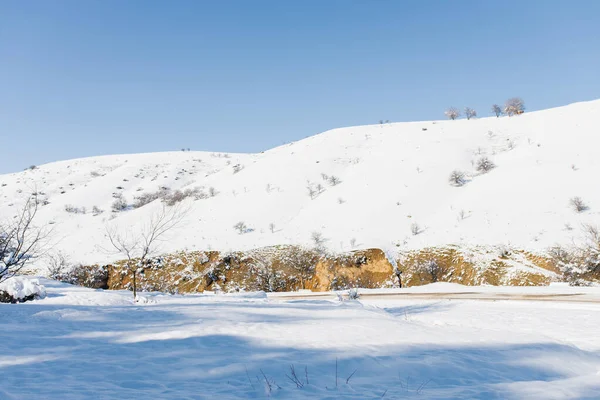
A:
(290, 268)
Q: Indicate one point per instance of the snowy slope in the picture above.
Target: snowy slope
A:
(391, 176)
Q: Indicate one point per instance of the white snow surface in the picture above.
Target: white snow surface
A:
(20, 287)
(79, 343)
(391, 176)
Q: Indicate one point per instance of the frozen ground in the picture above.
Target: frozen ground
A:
(79, 343)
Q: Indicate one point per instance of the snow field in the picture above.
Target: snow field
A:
(79, 343)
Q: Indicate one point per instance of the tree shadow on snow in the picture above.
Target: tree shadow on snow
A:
(81, 353)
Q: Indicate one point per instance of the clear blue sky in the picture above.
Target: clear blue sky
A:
(91, 77)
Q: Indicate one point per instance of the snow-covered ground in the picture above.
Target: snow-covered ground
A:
(388, 177)
(80, 343)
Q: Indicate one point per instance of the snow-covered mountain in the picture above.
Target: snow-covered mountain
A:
(372, 186)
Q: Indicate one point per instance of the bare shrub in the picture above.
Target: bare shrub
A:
(470, 113)
(452, 113)
(318, 241)
(334, 180)
(264, 276)
(241, 227)
(432, 270)
(149, 197)
(484, 165)
(96, 211)
(496, 110)
(415, 229)
(237, 168)
(353, 294)
(74, 210)
(578, 204)
(21, 241)
(457, 178)
(212, 192)
(303, 262)
(272, 227)
(514, 106)
(119, 204)
(57, 264)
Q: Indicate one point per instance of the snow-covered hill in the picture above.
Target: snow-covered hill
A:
(389, 179)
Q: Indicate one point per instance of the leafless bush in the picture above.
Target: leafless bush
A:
(514, 106)
(497, 110)
(334, 180)
(303, 262)
(96, 211)
(452, 113)
(484, 165)
(353, 294)
(56, 264)
(470, 113)
(74, 210)
(264, 276)
(578, 204)
(119, 204)
(433, 270)
(149, 197)
(415, 229)
(95, 174)
(272, 227)
(237, 168)
(241, 227)
(318, 241)
(212, 192)
(457, 178)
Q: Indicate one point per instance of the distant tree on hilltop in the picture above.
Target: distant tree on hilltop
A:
(470, 113)
(514, 106)
(452, 113)
(497, 110)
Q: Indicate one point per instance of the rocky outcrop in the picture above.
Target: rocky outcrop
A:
(290, 268)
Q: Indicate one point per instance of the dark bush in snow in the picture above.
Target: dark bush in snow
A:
(119, 204)
(578, 204)
(457, 178)
(484, 165)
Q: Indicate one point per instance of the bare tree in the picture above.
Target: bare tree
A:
(138, 247)
(497, 110)
(578, 204)
(272, 227)
(514, 106)
(334, 180)
(304, 262)
(452, 113)
(20, 240)
(241, 227)
(470, 113)
(457, 178)
(484, 165)
(318, 241)
(415, 229)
